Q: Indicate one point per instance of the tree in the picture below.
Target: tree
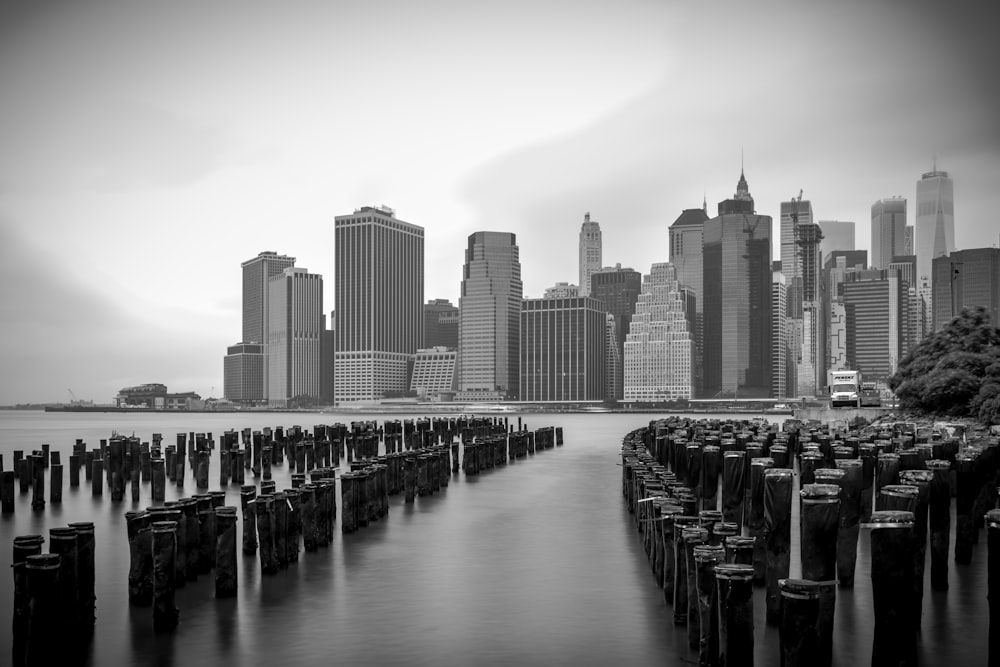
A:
(955, 371)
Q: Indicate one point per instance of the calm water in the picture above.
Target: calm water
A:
(533, 563)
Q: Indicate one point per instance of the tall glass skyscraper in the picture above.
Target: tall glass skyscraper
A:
(489, 318)
(562, 349)
(737, 283)
(687, 258)
(618, 291)
(935, 223)
(888, 231)
(590, 252)
(378, 302)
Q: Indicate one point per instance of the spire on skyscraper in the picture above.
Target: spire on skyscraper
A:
(742, 189)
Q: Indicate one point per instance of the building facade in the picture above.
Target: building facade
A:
(934, 229)
(562, 350)
(888, 230)
(737, 283)
(489, 318)
(294, 336)
(966, 279)
(659, 350)
(243, 373)
(378, 303)
(779, 335)
(562, 291)
(686, 256)
(433, 372)
(618, 291)
(837, 235)
(440, 324)
(590, 252)
(876, 311)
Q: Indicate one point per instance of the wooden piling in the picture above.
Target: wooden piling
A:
(939, 522)
(706, 559)
(733, 486)
(97, 477)
(7, 492)
(37, 483)
(265, 533)
(165, 613)
(85, 576)
(225, 552)
(24, 546)
(895, 637)
(820, 521)
(755, 521)
(966, 488)
(44, 609)
(736, 625)
(140, 547)
(799, 614)
(693, 537)
(850, 483)
(993, 583)
(777, 527)
(921, 479)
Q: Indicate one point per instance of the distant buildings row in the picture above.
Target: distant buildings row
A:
(720, 319)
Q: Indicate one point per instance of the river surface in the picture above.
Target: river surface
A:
(533, 563)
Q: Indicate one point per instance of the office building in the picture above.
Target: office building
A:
(243, 374)
(837, 235)
(888, 230)
(562, 350)
(378, 303)
(256, 274)
(686, 256)
(294, 336)
(440, 324)
(779, 335)
(836, 267)
(659, 350)
(613, 368)
(966, 279)
(590, 252)
(490, 310)
(877, 314)
(618, 290)
(737, 310)
(935, 221)
(433, 372)
(794, 214)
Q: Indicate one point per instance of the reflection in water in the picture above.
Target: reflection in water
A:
(537, 562)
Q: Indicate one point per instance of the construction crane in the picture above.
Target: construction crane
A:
(71, 394)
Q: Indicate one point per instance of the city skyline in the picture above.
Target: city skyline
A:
(128, 196)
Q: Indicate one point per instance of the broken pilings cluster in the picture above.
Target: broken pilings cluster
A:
(53, 590)
(845, 479)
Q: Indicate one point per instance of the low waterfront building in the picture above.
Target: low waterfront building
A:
(433, 372)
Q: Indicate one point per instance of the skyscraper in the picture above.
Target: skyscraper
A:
(877, 314)
(935, 223)
(686, 256)
(794, 213)
(837, 235)
(737, 284)
(378, 302)
(779, 335)
(490, 309)
(888, 230)
(618, 290)
(562, 349)
(248, 385)
(590, 252)
(966, 279)
(294, 336)
(440, 324)
(256, 274)
(659, 351)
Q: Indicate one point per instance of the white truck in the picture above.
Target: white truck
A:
(845, 388)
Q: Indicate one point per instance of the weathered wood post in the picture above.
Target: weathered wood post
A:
(755, 522)
(680, 600)
(921, 479)
(225, 552)
(55, 482)
(410, 478)
(735, 594)
(818, 549)
(799, 615)
(694, 536)
(44, 605)
(307, 503)
(939, 522)
(85, 574)
(37, 483)
(993, 582)
(777, 527)
(965, 495)
(165, 613)
(74, 470)
(733, 486)
(348, 498)
(140, 547)
(248, 492)
(7, 492)
(97, 477)
(706, 559)
(895, 640)
(850, 519)
(265, 533)
(24, 546)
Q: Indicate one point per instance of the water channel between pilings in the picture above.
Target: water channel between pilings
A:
(811, 516)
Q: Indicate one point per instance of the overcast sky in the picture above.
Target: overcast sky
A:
(146, 149)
